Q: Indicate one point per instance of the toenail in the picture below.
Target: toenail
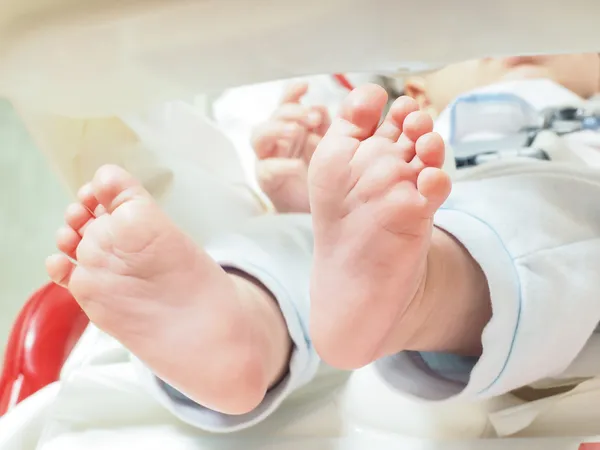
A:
(72, 209)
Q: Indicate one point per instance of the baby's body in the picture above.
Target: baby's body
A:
(385, 280)
(375, 190)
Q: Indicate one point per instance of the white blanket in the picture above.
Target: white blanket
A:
(100, 404)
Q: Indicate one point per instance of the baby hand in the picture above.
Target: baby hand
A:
(284, 146)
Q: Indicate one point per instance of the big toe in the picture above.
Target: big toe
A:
(114, 186)
(360, 112)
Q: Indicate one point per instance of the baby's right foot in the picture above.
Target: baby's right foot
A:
(373, 192)
(218, 338)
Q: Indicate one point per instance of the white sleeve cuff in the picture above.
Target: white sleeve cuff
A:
(206, 419)
(408, 371)
(534, 233)
(289, 286)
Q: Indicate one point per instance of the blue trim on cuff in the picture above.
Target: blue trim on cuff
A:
(447, 207)
(449, 366)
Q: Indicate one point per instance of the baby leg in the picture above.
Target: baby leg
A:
(218, 337)
(374, 190)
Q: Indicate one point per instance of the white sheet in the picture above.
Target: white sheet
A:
(101, 405)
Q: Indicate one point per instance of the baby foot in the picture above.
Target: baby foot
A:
(373, 191)
(143, 281)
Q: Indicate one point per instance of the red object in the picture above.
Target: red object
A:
(590, 446)
(46, 330)
(343, 81)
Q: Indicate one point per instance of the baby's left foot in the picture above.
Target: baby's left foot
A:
(373, 191)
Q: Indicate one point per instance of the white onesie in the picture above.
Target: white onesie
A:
(533, 227)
